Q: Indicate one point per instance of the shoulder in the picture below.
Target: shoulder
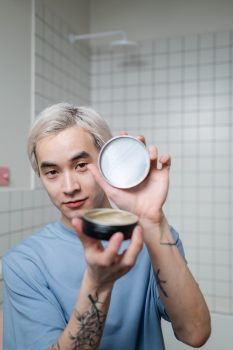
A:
(44, 252)
(45, 232)
(30, 248)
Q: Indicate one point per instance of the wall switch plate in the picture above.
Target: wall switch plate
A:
(4, 176)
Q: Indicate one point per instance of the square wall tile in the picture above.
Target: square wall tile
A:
(4, 201)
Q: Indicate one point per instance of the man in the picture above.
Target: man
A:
(65, 290)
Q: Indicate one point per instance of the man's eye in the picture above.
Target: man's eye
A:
(51, 173)
(81, 166)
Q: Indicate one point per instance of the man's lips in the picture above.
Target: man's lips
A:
(75, 203)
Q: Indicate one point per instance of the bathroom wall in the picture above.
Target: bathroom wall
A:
(177, 91)
(61, 74)
(15, 101)
(61, 69)
(150, 19)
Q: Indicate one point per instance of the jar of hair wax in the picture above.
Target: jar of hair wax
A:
(104, 222)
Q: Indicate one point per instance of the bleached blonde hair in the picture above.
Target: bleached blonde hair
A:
(58, 117)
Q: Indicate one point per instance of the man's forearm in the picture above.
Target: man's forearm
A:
(86, 325)
(178, 290)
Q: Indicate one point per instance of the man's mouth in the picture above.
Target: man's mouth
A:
(75, 203)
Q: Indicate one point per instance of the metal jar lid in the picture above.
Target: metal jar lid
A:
(124, 161)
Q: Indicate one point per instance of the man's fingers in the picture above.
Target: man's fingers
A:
(153, 156)
(126, 259)
(86, 240)
(141, 138)
(108, 189)
(135, 246)
(77, 224)
(110, 253)
(165, 160)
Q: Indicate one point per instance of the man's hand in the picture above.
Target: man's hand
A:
(145, 200)
(105, 264)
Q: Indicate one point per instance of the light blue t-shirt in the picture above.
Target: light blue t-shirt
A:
(42, 278)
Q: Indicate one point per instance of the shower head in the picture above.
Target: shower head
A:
(123, 43)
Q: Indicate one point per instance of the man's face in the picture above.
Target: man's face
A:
(62, 161)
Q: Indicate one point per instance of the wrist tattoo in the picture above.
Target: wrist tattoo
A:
(90, 326)
(159, 283)
(170, 243)
(166, 243)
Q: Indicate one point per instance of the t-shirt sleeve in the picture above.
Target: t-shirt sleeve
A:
(29, 305)
(179, 245)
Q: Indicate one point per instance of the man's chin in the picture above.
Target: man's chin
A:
(77, 213)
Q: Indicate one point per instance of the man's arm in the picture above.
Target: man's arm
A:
(104, 266)
(86, 324)
(179, 291)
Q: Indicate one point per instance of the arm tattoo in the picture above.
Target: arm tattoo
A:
(90, 326)
(159, 283)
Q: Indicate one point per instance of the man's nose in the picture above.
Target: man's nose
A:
(70, 183)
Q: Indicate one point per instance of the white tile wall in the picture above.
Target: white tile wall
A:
(61, 69)
(61, 74)
(178, 92)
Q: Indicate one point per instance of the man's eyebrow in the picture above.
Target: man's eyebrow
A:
(47, 164)
(80, 155)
